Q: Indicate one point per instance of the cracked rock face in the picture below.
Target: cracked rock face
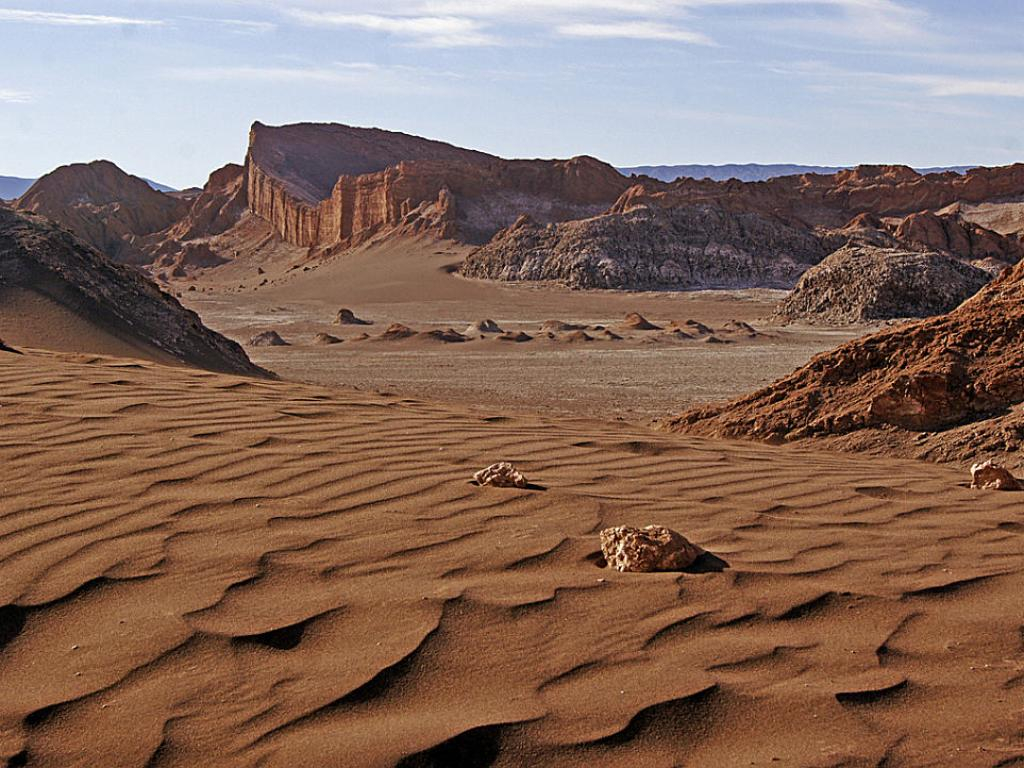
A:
(501, 475)
(645, 550)
(863, 284)
(991, 476)
(646, 247)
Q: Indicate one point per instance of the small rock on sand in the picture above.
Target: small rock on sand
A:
(575, 337)
(5, 348)
(557, 326)
(694, 326)
(348, 317)
(993, 477)
(268, 339)
(637, 322)
(518, 337)
(501, 475)
(648, 549)
(326, 338)
(448, 336)
(483, 327)
(397, 331)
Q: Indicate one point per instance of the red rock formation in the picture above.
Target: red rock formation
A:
(382, 181)
(931, 375)
(831, 201)
(952, 234)
(104, 206)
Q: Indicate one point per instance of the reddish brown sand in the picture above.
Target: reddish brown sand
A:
(197, 569)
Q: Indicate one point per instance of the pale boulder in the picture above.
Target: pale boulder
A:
(643, 550)
(501, 475)
(992, 476)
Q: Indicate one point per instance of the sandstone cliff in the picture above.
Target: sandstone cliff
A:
(327, 186)
(44, 261)
(956, 377)
(866, 284)
(649, 246)
(106, 207)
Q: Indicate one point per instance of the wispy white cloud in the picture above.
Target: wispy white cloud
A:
(242, 26)
(11, 96)
(432, 31)
(634, 30)
(54, 18)
(346, 75)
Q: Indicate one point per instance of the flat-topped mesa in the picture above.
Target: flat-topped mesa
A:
(831, 201)
(322, 186)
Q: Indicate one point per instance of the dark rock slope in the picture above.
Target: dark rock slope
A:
(40, 258)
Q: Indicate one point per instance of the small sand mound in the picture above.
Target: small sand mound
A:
(716, 340)
(517, 337)
(676, 334)
(648, 549)
(326, 338)
(348, 317)
(637, 322)
(483, 327)
(610, 335)
(448, 336)
(268, 339)
(360, 337)
(739, 328)
(694, 327)
(5, 348)
(577, 337)
(396, 332)
(557, 326)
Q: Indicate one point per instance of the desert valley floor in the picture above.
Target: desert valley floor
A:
(642, 376)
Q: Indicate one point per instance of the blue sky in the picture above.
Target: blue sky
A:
(168, 88)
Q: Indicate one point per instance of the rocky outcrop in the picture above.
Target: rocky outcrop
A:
(647, 550)
(648, 246)
(830, 201)
(932, 375)
(348, 317)
(866, 284)
(327, 186)
(40, 258)
(104, 206)
(951, 233)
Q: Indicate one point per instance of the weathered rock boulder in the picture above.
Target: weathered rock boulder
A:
(325, 339)
(501, 475)
(483, 328)
(865, 284)
(348, 317)
(397, 332)
(268, 339)
(992, 476)
(650, 247)
(646, 550)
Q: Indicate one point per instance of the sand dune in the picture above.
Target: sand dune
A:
(200, 569)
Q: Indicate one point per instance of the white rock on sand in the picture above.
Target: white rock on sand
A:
(648, 549)
(501, 475)
(992, 476)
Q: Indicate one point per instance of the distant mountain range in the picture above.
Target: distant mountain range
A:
(751, 171)
(12, 187)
